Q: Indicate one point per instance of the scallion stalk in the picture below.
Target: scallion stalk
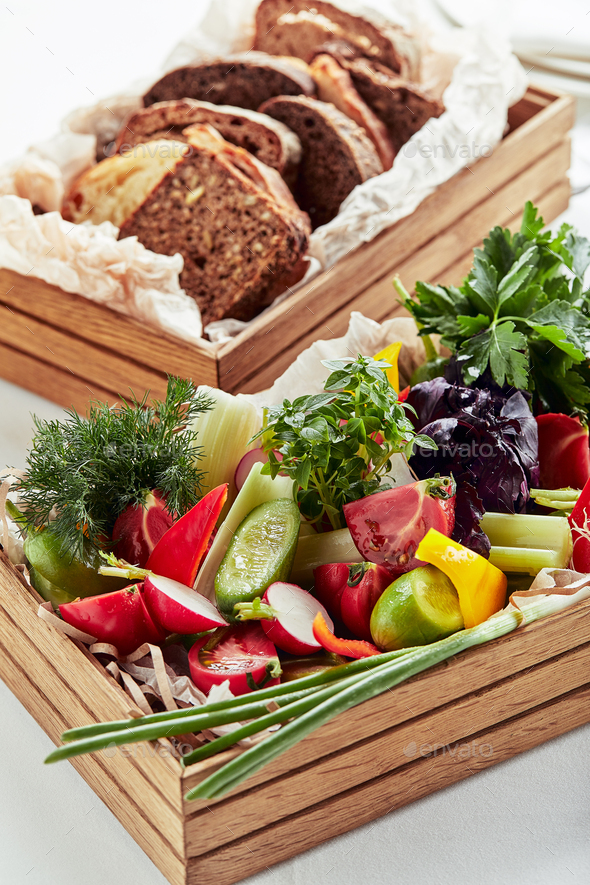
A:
(377, 681)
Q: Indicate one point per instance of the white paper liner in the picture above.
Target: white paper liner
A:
(485, 82)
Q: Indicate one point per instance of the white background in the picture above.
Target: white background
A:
(525, 821)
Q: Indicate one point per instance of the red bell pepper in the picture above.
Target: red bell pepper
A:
(181, 550)
(579, 521)
(350, 592)
(350, 648)
(564, 457)
(119, 618)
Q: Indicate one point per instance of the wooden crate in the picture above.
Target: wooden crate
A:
(68, 349)
(474, 711)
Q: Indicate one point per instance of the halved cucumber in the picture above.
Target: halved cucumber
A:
(421, 606)
(260, 553)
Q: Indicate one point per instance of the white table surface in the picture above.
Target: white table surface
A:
(526, 820)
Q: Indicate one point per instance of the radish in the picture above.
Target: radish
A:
(286, 614)
(246, 464)
(178, 608)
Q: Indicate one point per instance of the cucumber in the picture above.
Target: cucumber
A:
(420, 607)
(261, 552)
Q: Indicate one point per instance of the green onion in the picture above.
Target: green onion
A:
(377, 681)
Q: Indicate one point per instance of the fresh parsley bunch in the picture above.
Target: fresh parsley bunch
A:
(337, 445)
(88, 470)
(521, 315)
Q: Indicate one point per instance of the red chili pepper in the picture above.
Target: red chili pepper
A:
(403, 394)
(179, 553)
(579, 521)
(350, 648)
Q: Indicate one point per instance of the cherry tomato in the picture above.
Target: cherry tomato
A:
(241, 654)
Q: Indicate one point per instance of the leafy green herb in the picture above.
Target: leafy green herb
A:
(89, 470)
(337, 445)
(521, 315)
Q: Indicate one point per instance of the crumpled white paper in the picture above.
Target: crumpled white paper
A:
(486, 80)
(306, 375)
(89, 260)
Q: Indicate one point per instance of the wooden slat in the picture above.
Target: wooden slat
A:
(57, 385)
(314, 303)
(127, 808)
(97, 691)
(101, 325)
(470, 672)
(545, 183)
(384, 794)
(78, 357)
(372, 757)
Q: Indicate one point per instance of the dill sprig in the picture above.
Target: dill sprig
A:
(86, 471)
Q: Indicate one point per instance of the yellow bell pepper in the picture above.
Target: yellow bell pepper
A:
(391, 355)
(481, 586)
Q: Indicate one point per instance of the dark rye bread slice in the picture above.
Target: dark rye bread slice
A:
(404, 107)
(335, 85)
(244, 81)
(266, 139)
(300, 27)
(337, 154)
(233, 220)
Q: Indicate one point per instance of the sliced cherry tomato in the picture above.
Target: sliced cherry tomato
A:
(119, 618)
(241, 654)
(388, 526)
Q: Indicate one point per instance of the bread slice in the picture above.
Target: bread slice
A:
(335, 85)
(337, 154)
(114, 188)
(402, 106)
(233, 220)
(296, 27)
(266, 139)
(244, 81)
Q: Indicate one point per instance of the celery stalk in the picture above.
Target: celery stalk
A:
(321, 549)
(522, 542)
(223, 436)
(258, 489)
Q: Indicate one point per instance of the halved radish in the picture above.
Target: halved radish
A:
(254, 456)
(286, 614)
(178, 608)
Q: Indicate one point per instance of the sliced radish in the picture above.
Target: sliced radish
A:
(286, 614)
(254, 456)
(178, 608)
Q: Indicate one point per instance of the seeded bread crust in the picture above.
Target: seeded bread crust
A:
(402, 106)
(335, 85)
(371, 33)
(244, 81)
(337, 154)
(266, 139)
(233, 220)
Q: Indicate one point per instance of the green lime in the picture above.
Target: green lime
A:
(421, 606)
(260, 553)
(66, 572)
